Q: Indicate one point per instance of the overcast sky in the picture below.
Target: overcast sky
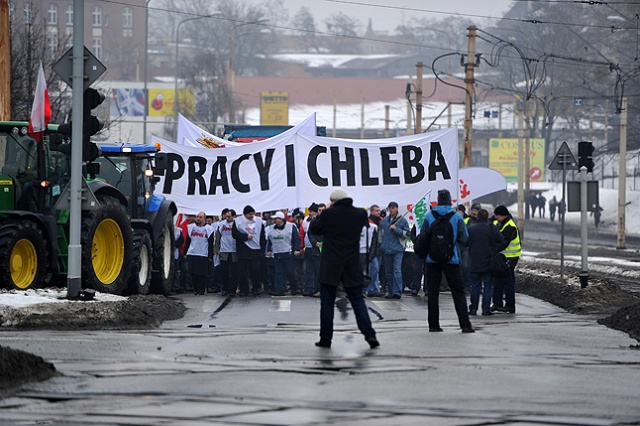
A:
(394, 12)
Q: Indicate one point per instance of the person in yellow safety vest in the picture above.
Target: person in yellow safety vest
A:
(504, 289)
(473, 217)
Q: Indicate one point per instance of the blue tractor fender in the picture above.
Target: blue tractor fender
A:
(159, 208)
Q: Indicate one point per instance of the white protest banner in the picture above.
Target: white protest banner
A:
(191, 135)
(476, 182)
(299, 170)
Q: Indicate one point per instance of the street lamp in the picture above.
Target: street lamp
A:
(232, 59)
(176, 102)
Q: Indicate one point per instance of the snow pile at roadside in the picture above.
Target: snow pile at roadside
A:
(22, 298)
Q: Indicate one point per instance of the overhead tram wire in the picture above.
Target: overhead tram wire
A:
(466, 15)
(266, 25)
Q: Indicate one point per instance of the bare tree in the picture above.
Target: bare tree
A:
(345, 33)
(305, 21)
(30, 44)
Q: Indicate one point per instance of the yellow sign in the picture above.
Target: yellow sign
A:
(274, 108)
(162, 102)
(503, 157)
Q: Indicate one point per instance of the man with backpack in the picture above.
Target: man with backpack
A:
(441, 230)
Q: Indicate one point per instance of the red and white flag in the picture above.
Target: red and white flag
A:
(41, 110)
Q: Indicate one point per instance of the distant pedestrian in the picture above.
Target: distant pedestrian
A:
(340, 225)
(442, 218)
(542, 203)
(484, 242)
(562, 208)
(504, 290)
(553, 205)
(596, 214)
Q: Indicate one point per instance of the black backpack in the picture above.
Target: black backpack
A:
(440, 238)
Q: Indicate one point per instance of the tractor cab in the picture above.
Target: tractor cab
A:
(128, 167)
(31, 175)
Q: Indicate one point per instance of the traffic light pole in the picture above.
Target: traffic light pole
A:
(584, 273)
(74, 275)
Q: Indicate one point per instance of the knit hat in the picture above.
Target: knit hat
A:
(462, 208)
(338, 194)
(476, 206)
(444, 197)
(279, 215)
(313, 207)
(248, 209)
(501, 210)
(393, 204)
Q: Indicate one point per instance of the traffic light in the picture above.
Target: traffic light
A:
(92, 125)
(585, 155)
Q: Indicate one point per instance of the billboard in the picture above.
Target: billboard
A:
(162, 102)
(503, 157)
(274, 108)
(129, 102)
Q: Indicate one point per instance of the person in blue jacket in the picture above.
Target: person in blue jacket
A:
(395, 231)
(451, 269)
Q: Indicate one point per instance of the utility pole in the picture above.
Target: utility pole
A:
(362, 118)
(386, 121)
(5, 62)
(468, 104)
(622, 176)
(335, 114)
(419, 67)
(520, 176)
(527, 161)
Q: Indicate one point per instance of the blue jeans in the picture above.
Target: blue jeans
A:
(477, 279)
(374, 271)
(327, 309)
(506, 286)
(285, 271)
(393, 269)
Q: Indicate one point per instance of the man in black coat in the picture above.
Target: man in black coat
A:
(485, 241)
(341, 225)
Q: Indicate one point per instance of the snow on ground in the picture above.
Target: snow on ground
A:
(23, 298)
(608, 201)
(349, 116)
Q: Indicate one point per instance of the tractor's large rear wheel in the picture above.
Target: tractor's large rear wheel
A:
(23, 255)
(163, 257)
(107, 247)
(140, 280)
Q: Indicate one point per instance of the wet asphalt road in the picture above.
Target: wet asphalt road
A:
(252, 361)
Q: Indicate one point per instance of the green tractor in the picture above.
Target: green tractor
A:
(34, 223)
(129, 168)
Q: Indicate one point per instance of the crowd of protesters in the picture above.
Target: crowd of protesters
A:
(281, 252)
